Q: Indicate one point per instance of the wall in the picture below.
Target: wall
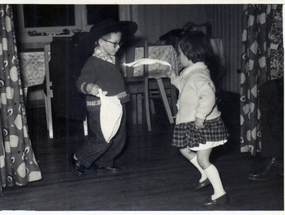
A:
(156, 20)
(227, 24)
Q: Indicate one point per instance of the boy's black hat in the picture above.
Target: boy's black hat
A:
(128, 29)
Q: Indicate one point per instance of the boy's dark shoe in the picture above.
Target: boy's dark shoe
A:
(78, 168)
(109, 168)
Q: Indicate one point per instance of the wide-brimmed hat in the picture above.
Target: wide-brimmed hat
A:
(128, 29)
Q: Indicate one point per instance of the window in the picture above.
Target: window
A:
(48, 15)
(37, 24)
(54, 18)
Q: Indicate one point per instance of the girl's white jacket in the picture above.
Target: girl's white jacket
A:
(196, 94)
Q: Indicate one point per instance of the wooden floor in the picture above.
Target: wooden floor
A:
(154, 176)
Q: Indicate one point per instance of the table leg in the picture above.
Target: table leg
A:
(164, 99)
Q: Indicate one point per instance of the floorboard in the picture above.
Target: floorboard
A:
(154, 176)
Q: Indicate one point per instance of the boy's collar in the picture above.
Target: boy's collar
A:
(99, 54)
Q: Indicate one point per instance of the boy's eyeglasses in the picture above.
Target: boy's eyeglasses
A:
(115, 44)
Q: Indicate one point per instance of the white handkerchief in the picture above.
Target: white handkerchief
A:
(146, 61)
(111, 113)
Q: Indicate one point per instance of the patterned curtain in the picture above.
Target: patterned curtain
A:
(276, 43)
(17, 161)
(262, 60)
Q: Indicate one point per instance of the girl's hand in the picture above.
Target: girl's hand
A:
(170, 73)
(199, 123)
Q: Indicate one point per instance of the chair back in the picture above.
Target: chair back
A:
(137, 86)
(130, 57)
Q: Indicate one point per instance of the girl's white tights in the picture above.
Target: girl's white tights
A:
(195, 163)
(214, 177)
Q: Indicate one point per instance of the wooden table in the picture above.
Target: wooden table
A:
(32, 66)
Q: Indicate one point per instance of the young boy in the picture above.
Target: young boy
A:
(102, 71)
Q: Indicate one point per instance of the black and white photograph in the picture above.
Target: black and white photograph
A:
(142, 107)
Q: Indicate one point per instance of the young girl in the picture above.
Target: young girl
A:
(199, 126)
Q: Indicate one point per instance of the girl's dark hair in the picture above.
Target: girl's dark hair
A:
(196, 47)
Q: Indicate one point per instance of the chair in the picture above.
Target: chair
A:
(144, 87)
(137, 86)
(42, 92)
(163, 89)
(48, 90)
(170, 93)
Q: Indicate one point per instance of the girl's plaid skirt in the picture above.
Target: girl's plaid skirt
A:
(187, 135)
